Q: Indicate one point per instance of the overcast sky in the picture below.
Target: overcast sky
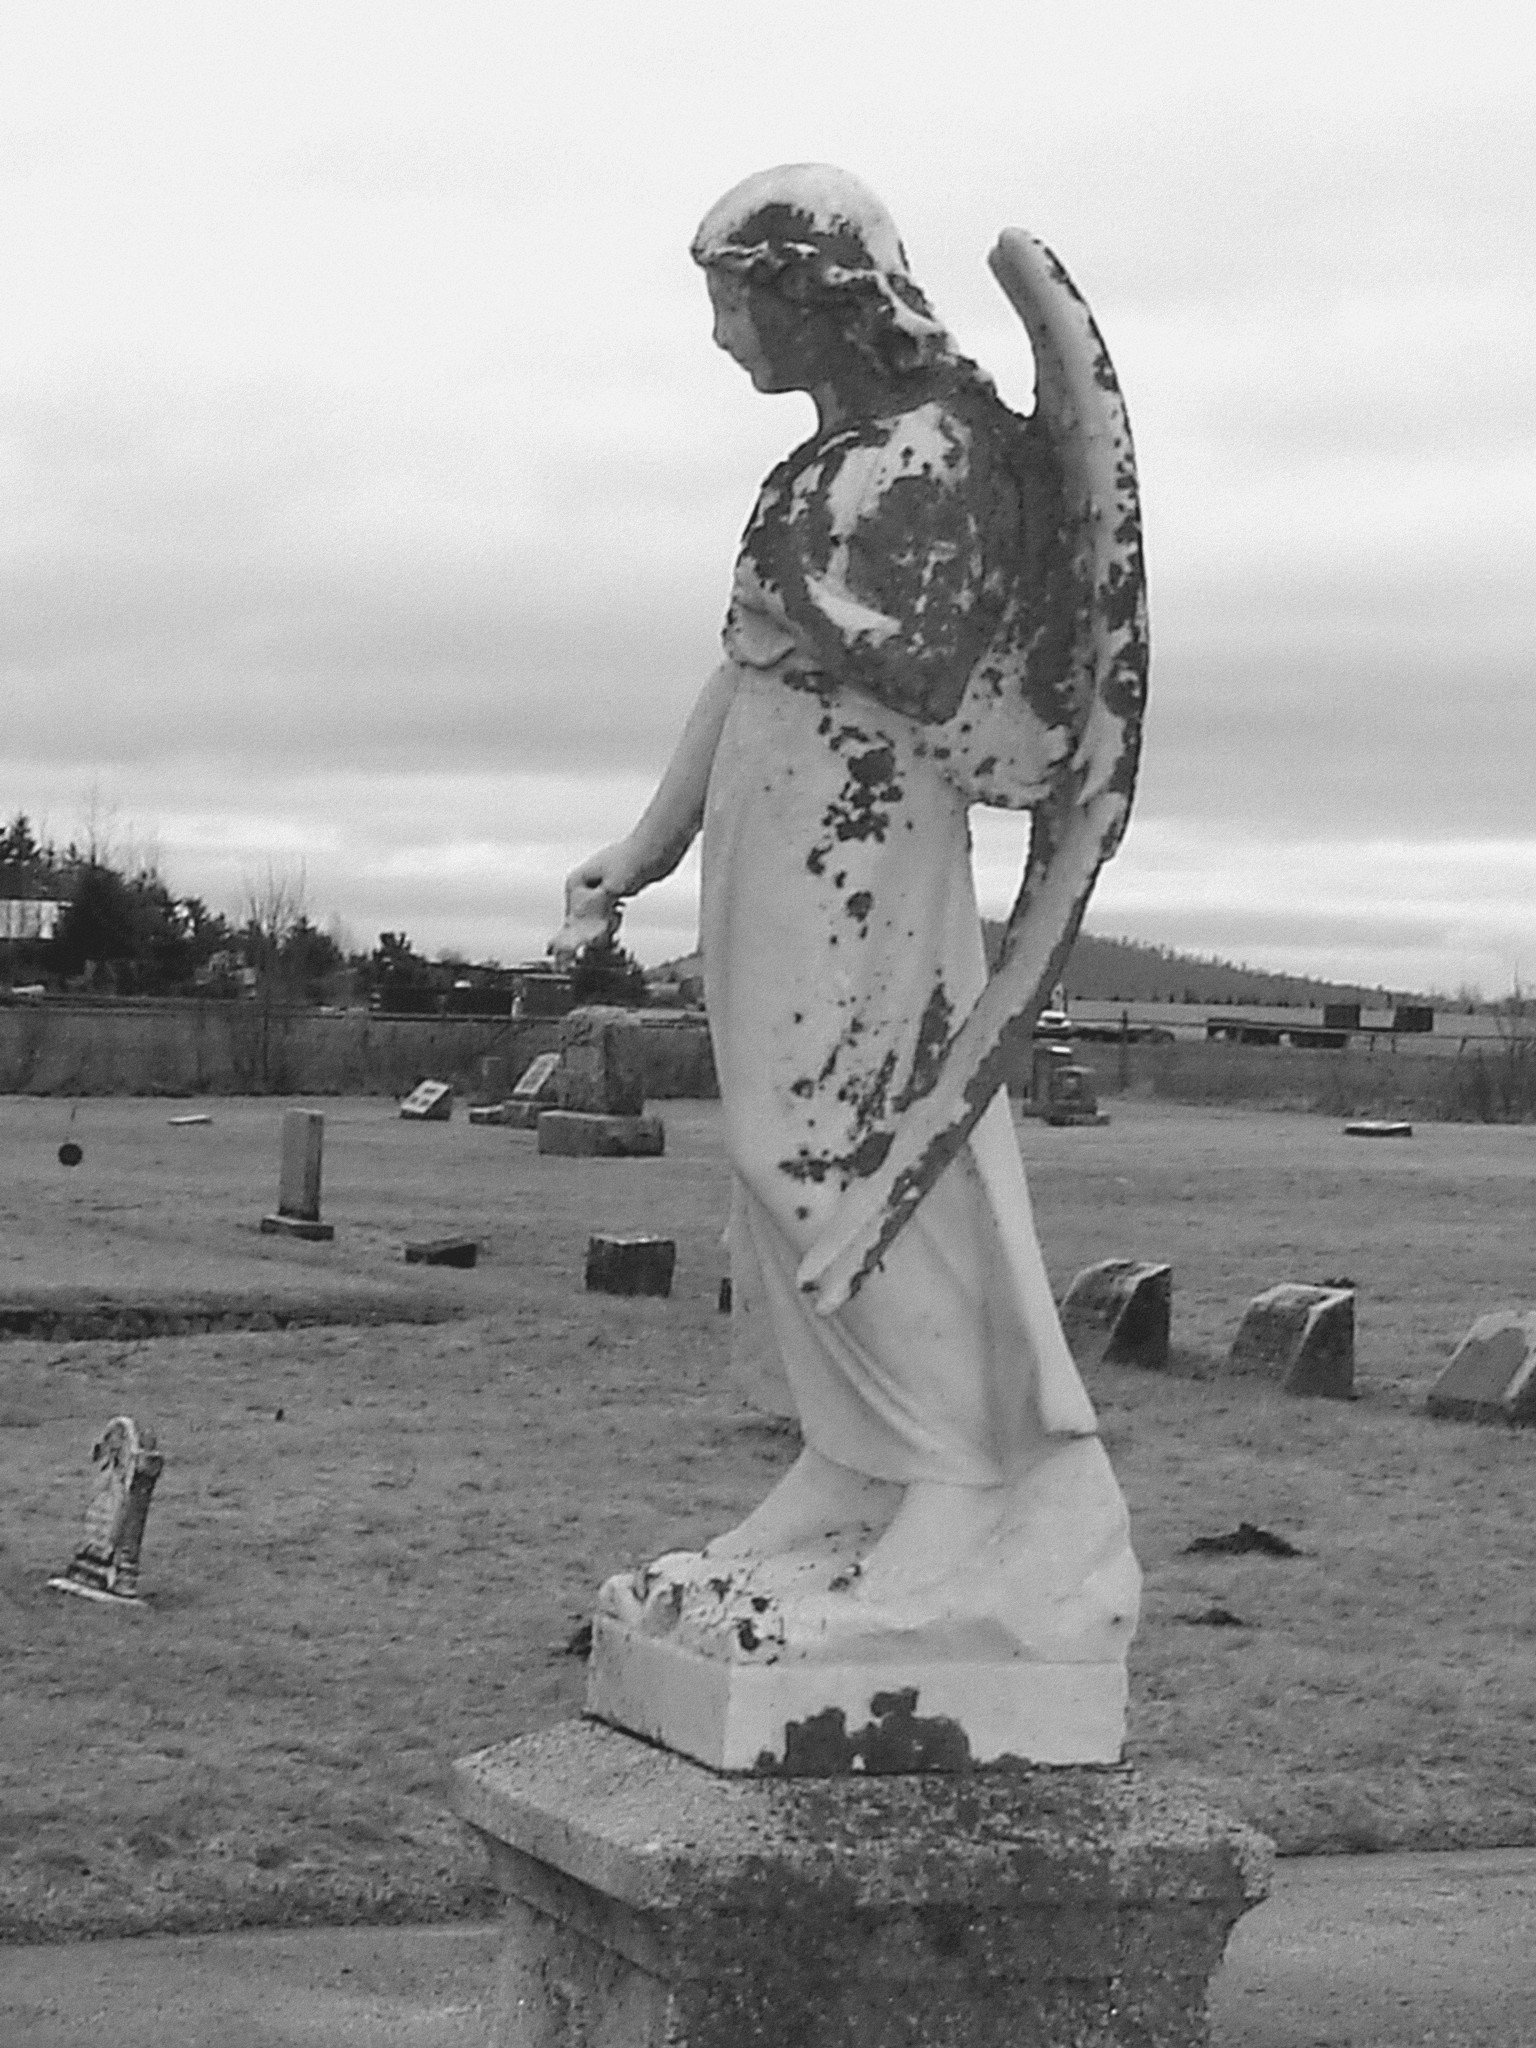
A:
(369, 484)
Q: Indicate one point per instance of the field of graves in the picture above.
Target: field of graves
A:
(389, 1490)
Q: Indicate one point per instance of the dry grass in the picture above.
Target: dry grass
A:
(345, 1599)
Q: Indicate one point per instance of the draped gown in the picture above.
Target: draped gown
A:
(842, 943)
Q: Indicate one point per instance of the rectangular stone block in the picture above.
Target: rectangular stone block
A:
(1492, 1376)
(298, 1226)
(298, 1183)
(630, 1265)
(487, 1113)
(653, 1904)
(523, 1116)
(430, 1102)
(802, 1717)
(602, 1067)
(574, 1136)
(442, 1251)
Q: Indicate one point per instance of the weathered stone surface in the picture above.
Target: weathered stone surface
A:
(430, 1102)
(631, 1265)
(106, 1566)
(1492, 1376)
(442, 1251)
(1304, 1337)
(651, 1902)
(602, 1066)
(573, 1135)
(1119, 1311)
(298, 1184)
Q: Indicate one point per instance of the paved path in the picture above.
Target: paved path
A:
(1349, 1952)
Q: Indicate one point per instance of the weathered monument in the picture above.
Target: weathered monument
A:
(106, 1565)
(937, 603)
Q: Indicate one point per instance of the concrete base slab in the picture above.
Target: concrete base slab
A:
(653, 1904)
(572, 1134)
(311, 1229)
(807, 1717)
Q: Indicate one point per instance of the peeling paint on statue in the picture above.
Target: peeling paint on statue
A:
(936, 602)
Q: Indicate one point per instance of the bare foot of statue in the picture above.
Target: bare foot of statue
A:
(812, 1500)
(933, 1533)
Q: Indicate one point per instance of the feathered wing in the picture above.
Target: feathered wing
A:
(1080, 673)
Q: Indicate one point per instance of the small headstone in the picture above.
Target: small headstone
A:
(600, 1070)
(570, 1134)
(488, 1112)
(442, 1251)
(429, 1102)
(1304, 1337)
(298, 1182)
(106, 1566)
(183, 1123)
(1492, 1376)
(1377, 1127)
(1119, 1311)
(538, 1079)
(630, 1265)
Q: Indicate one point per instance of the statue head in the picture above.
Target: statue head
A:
(806, 259)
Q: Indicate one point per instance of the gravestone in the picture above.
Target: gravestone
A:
(298, 1183)
(600, 1090)
(1378, 1127)
(630, 1265)
(490, 1112)
(429, 1102)
(1302, 1336)
(106, 1566)
(1492, 1376)
(442, 1251)
(534, 1093)
(1119, 1311)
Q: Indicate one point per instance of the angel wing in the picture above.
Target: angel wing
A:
(1086, 683)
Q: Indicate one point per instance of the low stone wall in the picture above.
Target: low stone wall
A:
(229, 1048)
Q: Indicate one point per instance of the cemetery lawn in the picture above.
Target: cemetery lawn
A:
(372, 1543)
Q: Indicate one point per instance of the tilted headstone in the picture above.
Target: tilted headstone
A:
(429, 1102)
(630, 1265)
(538, 1079)
(1302, 1336)
(298, 1180)
(1492, 1375)
(1119, 1311)
(106, 1566)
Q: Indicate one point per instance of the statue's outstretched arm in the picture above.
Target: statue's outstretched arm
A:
(595, 891)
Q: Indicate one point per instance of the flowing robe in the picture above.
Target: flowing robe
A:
(842, 943)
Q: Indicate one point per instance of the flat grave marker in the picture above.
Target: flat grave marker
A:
(442, 1251)
(429, 1102)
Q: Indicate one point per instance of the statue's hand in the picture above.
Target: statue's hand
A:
(594, 895)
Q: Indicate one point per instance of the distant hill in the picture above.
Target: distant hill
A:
(1126, 971)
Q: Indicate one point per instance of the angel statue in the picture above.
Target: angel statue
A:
(937, 603)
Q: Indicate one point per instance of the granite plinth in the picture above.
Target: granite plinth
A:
(572, 1134)
(653, 1904)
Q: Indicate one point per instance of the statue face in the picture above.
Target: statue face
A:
(775, 343)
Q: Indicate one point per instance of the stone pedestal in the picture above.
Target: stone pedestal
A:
(652, 1904)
